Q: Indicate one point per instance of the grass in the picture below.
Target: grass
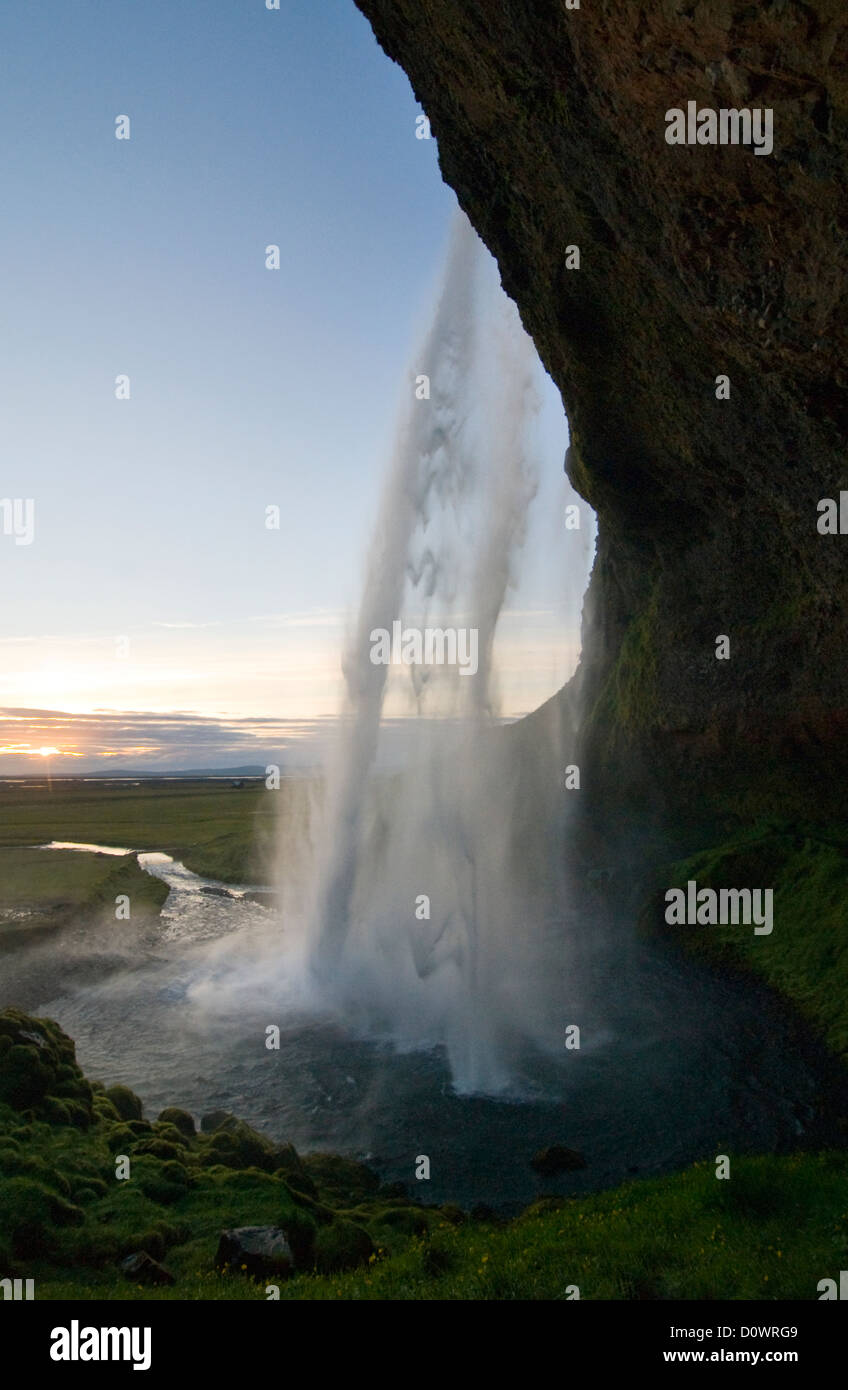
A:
(777, 1227)
(805, 957)
(772, 1230)
(49, 879)
(41, 890)
(216, 830)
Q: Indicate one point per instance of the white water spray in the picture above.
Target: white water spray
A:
(417, 928)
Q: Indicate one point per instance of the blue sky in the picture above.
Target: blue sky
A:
(249, 387)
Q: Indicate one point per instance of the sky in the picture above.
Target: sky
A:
(154, 619)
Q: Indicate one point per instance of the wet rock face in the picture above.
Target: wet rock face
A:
(695, 261)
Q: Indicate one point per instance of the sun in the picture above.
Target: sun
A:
(46, 752)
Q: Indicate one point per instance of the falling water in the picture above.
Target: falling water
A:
(371, 993)
(416, 922)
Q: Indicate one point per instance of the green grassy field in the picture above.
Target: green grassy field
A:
(219, 831)
(772, 1231)
(43, 891)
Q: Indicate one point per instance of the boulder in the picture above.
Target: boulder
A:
(209, 1123)
(125, 1101)
(262, 897)
(39, 1072)
(180, 1119)
(341, 1245)
(141, 1268)
(256, 1251)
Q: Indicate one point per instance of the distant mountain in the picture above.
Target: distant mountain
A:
(248, 770)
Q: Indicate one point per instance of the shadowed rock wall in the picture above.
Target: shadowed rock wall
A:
(695, 261)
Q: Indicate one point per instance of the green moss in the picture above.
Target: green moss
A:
(103, 1108)
(344, 1178)
(806, 955)
(773, 1231)
(177, 1119)
(39, 1073)
(628, 700)
(159, 1148)
(125, 1101)
(341, 1245)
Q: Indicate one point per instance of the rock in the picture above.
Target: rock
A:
(347, 1181)
(125, 1101)
(235, 1145)
(256, 1251)
(142, 1269)
(552, 132)
(262, 897)
(341, 1245)
(104, 1108)
(39, 1071)
(217, 892)
(180, 1119)
(139, 1127)
(158, 1148)
(209, 1123)
(557, 1159)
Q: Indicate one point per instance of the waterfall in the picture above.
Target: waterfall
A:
(417, 926)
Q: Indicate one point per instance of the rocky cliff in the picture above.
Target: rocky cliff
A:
(695, 262)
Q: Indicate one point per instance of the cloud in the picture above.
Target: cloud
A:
(144, 741)
(184, 626)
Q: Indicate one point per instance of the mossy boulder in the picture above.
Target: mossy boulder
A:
(30, 1212)
(120, 1139)
(55, 1111)
(158, 1148)
(180, 1119)
(236, 1145)
(16, 1162)
(209, 1123)
(125, 1101)
(160, 1182)
(341, 1245)
(103, 1107)
(39, 1071)
(341, 1178)
(171, 1135)
(24, 1078)
(93, 1187)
